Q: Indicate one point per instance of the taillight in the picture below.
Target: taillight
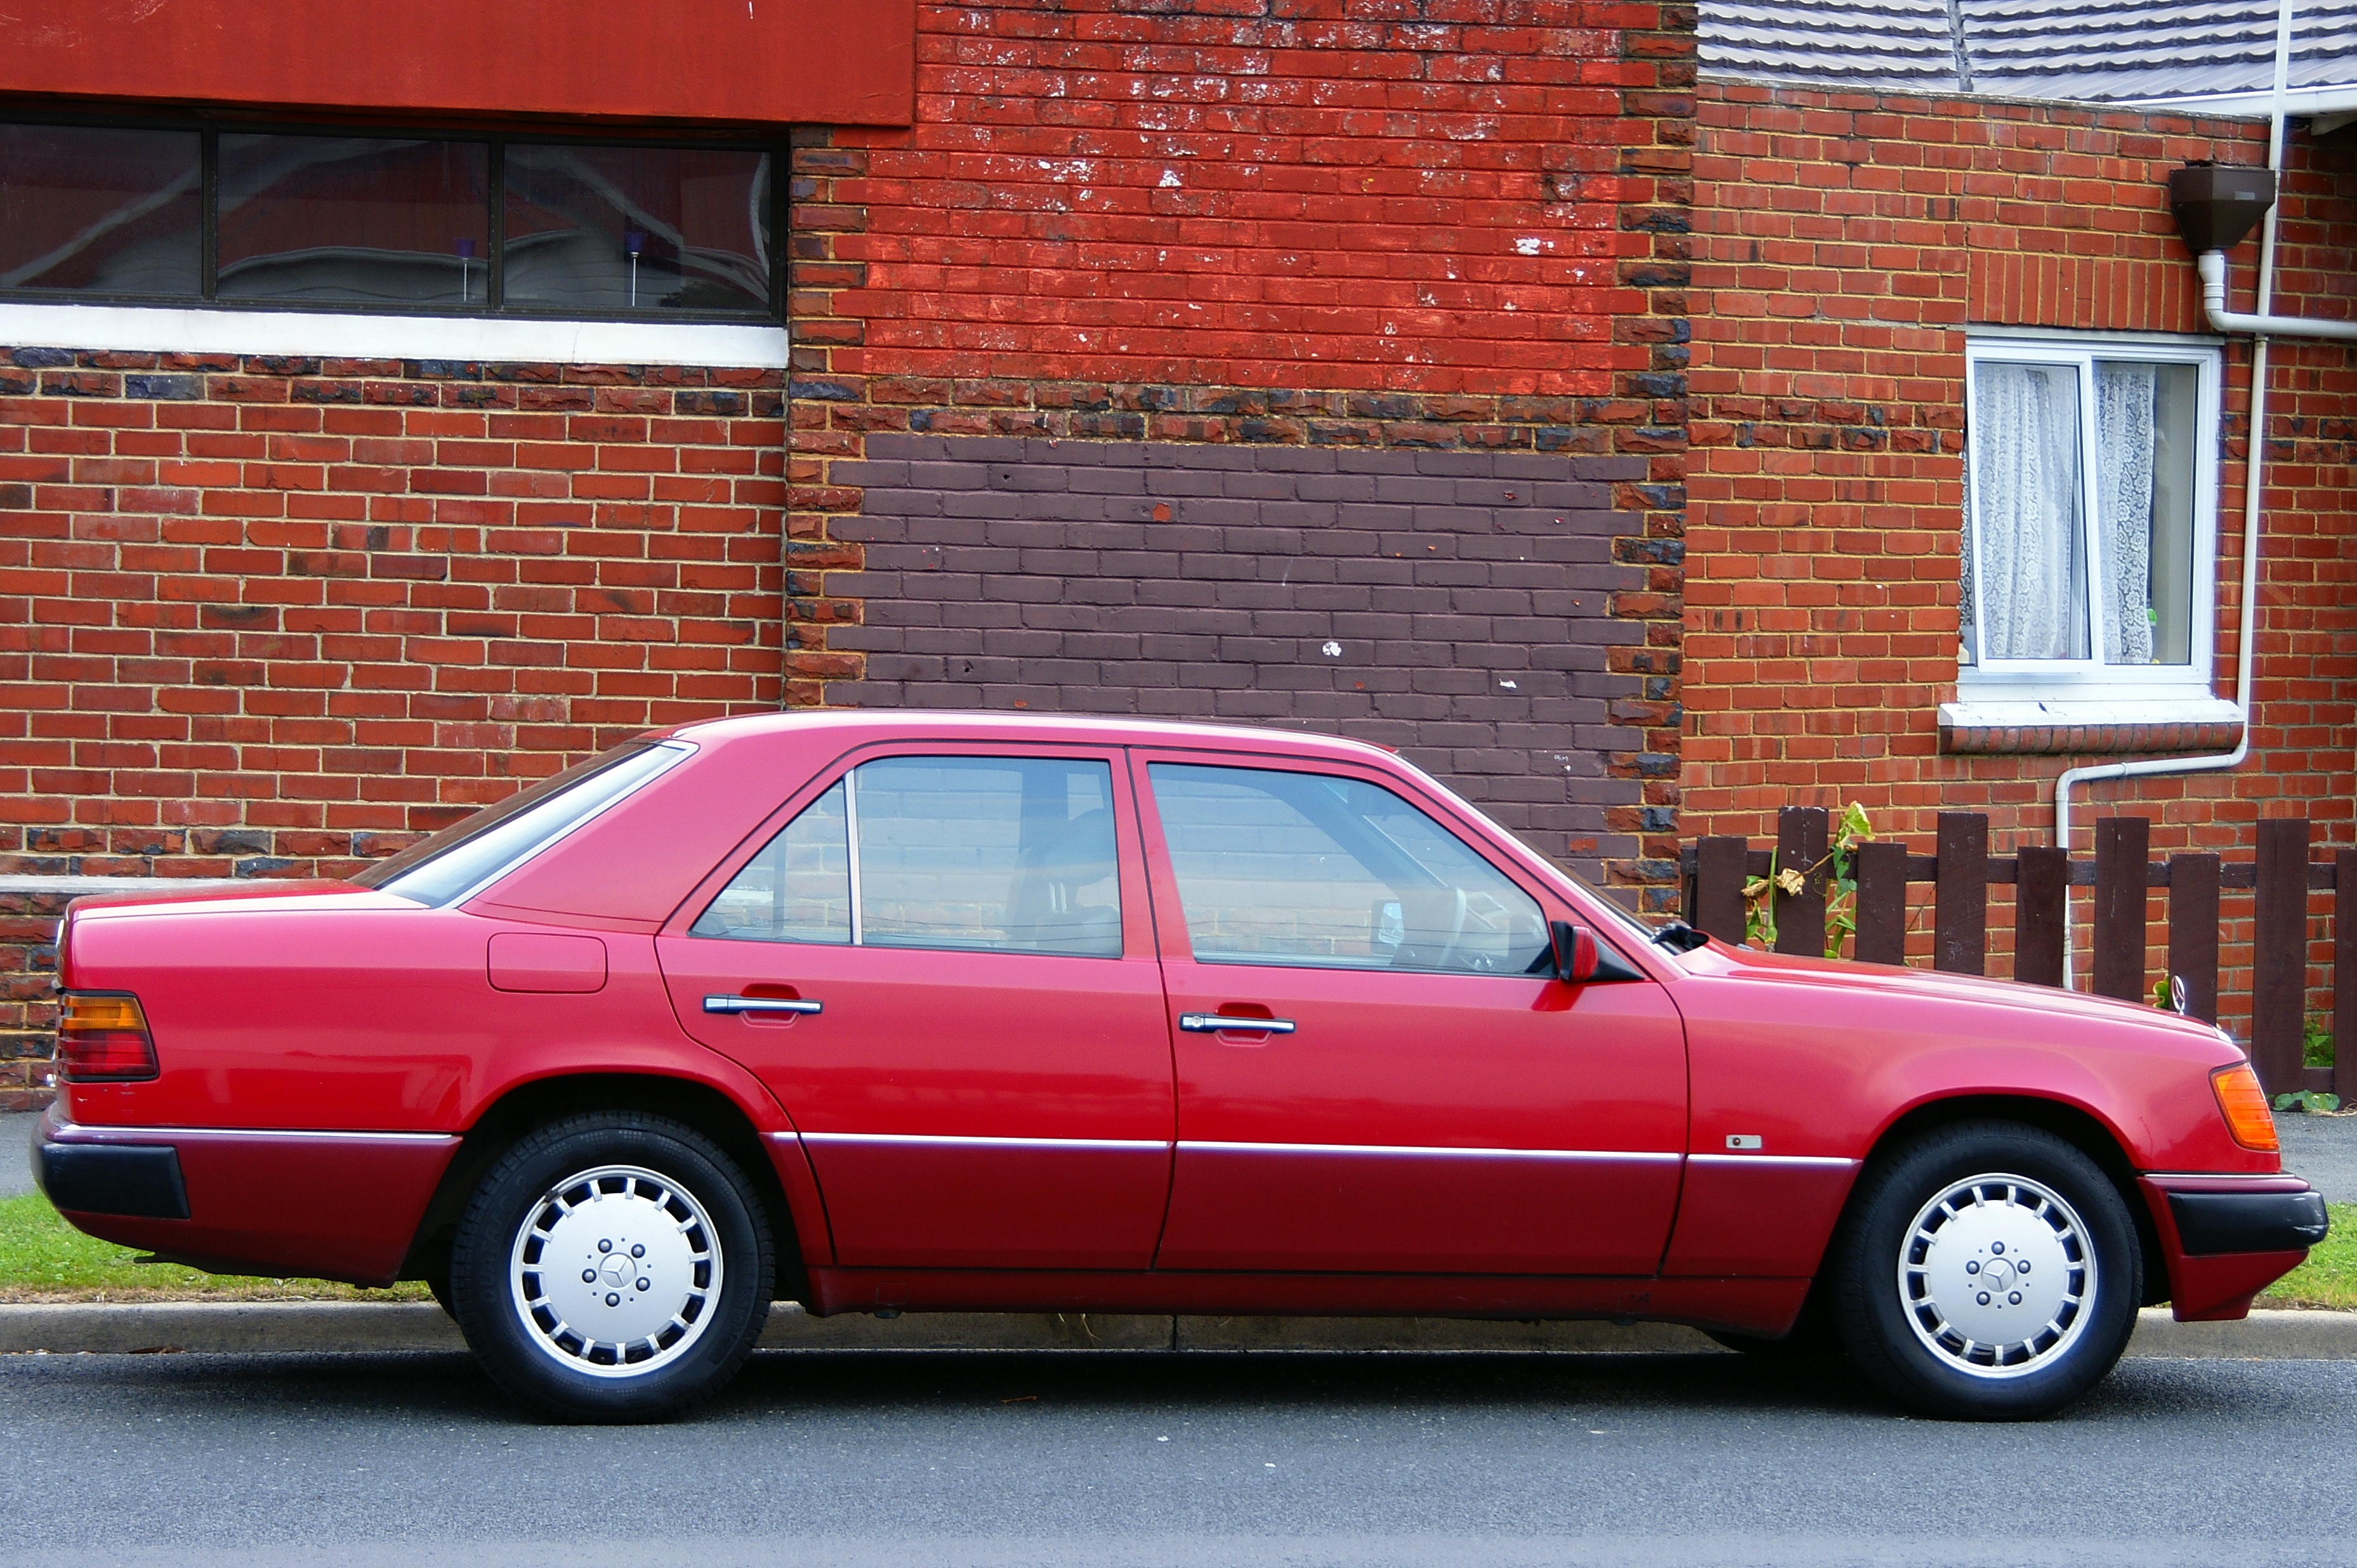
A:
(2244, 1105)
(102, 1038)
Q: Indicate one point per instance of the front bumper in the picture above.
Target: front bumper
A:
(2209, 1223)
(2223, 1238)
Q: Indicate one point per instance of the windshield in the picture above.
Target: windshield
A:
(463, 857)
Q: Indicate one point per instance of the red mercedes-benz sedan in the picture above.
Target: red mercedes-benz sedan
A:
(911, 1011)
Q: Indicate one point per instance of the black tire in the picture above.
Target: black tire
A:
(1908, 1299)
(693, 1315)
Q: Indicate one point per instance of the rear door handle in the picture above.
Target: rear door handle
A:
(1215, 1023)
(760, 1005)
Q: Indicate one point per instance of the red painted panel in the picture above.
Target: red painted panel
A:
(774, 62)
(338, 1208)
(1763, 1306)
(1739, 1216)
(2218, 1288)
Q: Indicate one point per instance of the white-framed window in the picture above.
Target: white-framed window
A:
(2091, 519)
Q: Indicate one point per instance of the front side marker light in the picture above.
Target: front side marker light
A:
(102, 1038)
(2244, 1105)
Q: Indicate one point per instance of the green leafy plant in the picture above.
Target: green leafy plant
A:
(1840, 866)
(2307, 1100)
(2315, 1039)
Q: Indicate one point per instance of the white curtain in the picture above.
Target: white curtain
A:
(2024, 569)
(2123, 460)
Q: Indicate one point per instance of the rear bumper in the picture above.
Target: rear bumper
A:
(2225, 1239)
(324, 1204)
(137, 1180)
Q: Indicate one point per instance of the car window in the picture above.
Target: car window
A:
(798, 889)
(1305, 868)
(1008, 855)
(467, 853)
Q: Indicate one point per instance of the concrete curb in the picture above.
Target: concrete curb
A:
(311, 1328)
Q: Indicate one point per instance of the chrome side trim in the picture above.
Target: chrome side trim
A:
(2222, 1176)
(111, 1134)
(1436, 1150)
(950, 1141)
(1805, 1162)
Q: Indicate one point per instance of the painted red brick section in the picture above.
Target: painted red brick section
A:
(1459, 229)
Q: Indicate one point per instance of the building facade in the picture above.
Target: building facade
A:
(1970, 465)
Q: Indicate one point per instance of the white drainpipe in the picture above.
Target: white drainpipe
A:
(2212, 268)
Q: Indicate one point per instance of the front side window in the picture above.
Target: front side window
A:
(1277, 867)
(2089, 538)
(987, 854)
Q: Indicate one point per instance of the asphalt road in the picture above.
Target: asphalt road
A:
(1117, 1460)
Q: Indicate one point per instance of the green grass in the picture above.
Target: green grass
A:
(42, 1257)
(2329, 1278)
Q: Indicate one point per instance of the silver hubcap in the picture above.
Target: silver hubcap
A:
(1997, 1275)
(615, 1271)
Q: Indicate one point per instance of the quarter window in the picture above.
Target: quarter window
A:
(1002, 854)
(1277, 867)
(2087, 555)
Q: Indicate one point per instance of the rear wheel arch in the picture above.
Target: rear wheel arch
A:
(545, 1100)
(2076, 1126)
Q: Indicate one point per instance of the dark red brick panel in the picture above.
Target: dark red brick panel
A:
(1454, 604)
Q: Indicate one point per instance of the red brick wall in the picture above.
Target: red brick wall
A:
(1843, 244)
(268, 616)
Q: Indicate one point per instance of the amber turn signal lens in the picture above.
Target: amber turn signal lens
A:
(2244, 1105)
(102, 1038)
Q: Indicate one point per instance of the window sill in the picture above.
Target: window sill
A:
(2116, 723)
(306, 334)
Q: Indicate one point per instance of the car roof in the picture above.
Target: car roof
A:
(855, 725)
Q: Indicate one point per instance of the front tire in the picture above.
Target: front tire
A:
(612, 1267)
(1990, 1272)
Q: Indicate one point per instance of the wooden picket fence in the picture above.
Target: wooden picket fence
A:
(2123, 875)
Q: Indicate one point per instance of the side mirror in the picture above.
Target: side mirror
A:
(1575, 954)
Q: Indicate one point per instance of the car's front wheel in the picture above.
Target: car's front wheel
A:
(1989, 1271)
(612, 1267)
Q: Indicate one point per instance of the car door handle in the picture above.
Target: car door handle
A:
(1215, 1023)
(760, 1005)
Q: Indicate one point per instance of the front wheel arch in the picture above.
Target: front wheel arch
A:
(538, 1103)
(2066, 1122)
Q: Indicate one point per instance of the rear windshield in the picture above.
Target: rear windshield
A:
(465, 854)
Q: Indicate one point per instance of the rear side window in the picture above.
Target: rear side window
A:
(465, 855)
(989, 853)
(1278, 867)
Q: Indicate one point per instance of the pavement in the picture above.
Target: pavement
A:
(16, 1151)
(2324, 1150)
(831, 1460)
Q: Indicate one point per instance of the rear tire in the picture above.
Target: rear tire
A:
(1989, 1271)
(612, 1267)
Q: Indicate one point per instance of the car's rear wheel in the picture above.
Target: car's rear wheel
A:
(612, 1267)
(1989, 1271)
